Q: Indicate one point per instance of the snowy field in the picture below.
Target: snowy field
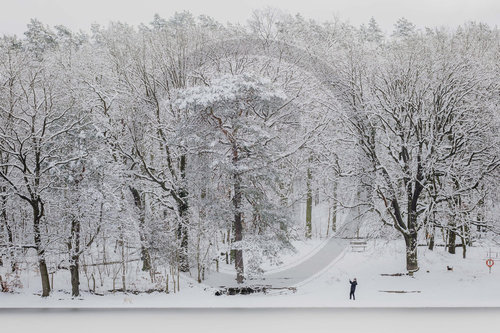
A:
(169, 164)
(468, 284)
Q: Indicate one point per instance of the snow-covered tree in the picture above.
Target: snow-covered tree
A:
(247, 113)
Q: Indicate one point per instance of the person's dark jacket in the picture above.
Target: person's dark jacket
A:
(353, 285)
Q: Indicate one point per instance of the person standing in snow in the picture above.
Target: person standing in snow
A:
(353, 283)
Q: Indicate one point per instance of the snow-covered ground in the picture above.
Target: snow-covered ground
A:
(468, 284)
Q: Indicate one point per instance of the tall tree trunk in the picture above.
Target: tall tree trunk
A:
(74, 252)
(238, 223)
(140, 204)
(328, 225)
(432, 232)
(182, 232)
(10, 237)
(309, 201)
(334, 208)
(182, 227)
(452, 236)
(3, 221)
(467, 234)
(202, 216)
(411, 237)
(464, 247)
(44, 274)
(123, 268)
(284, 203)
(432, 237)
(75, 277)
(411, 252)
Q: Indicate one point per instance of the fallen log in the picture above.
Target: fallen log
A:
(137, 292)
(394, 274)
(250, 290)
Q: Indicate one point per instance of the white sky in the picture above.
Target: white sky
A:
(80, 14)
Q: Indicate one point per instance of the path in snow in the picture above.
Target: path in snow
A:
(290, 276)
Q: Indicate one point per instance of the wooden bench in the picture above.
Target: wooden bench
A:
(358, 245)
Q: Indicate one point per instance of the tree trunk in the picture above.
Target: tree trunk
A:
(44, 274)
(74, 253)
(452, 236)
(334, 208)
(10, 237)
(75, 277)
(182, 227)
(464, 248)
(464, 238)
(182, 232)
(432, 236)
(309, 200)
(467, 234)
(146, 259)
(140, 204)
(411, 252)
(124, 268)
(432, 240)
(328, 225)
(202, 216)
(238, 223)
(4, 221)
(411, 238)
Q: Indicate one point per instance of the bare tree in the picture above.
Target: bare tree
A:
(41, 120)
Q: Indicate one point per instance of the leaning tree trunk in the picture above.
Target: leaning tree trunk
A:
(238, 223)
(44, 274)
